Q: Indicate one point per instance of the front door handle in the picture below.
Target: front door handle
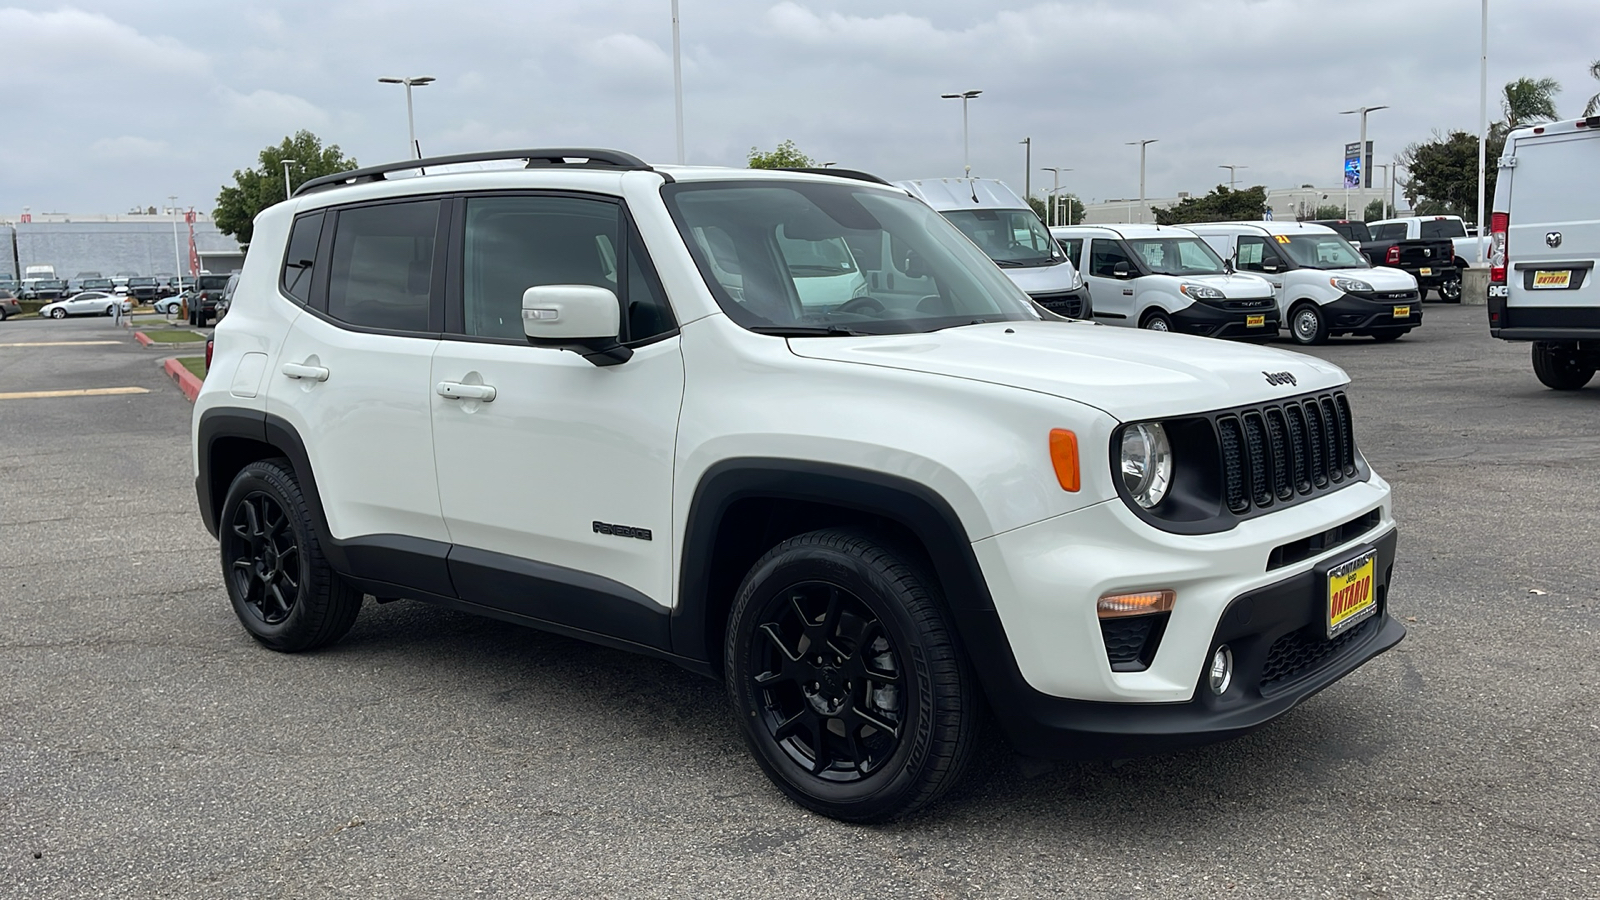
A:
(312, 373)
(455, 390)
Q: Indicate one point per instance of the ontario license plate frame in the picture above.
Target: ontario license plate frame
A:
(1351, 592)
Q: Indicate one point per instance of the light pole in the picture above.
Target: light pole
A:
(1364, 180)
(411, 120)
(1385, 198)
(287, 194)
(966, 151)
(827, 164)
(1027, 167)
(1483, 128)
(1231, 173)
(177, 260)
(677, 80)
(1055, 196)
(1141, 145)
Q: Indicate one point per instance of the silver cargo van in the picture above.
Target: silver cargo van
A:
(1006, 229)
(1544, 242)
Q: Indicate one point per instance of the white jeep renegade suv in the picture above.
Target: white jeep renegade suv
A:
(591, 396)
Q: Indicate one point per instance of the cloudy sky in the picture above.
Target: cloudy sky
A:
(112, 105)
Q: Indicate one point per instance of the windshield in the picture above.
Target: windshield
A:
(800, 258)
(1320, 251)
(1177, 256)
(1010, 237)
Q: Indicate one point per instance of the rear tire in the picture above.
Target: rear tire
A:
(1559, 368)
(281, 587)
(846, 678)
(1307, 326)
(1450, 291)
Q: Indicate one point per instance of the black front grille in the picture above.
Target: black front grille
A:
(1278, 452)
(1067, 305)
(1300, 652)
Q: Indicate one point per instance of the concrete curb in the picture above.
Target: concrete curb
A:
(142, 338)
(187, 383)
(145, 340)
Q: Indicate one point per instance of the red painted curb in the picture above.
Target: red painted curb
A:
(187, 383)
(142, 338)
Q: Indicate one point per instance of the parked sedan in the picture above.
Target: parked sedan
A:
(170, 306)
(8, 305)
(88, 303)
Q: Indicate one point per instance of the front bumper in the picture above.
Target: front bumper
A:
(1373, 313)
(1230, 321)
(1047, 669)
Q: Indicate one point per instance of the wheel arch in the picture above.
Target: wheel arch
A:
(230, 439)
(743, 507)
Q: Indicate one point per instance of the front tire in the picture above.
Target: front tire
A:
(279, 583)
(1156, 320)
(846, 678)
(1307, 326)
(58, 313)
(1559, 368)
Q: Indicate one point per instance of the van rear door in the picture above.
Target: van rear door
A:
(1553, 242)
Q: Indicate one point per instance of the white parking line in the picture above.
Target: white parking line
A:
(59, 343)
(83, 392)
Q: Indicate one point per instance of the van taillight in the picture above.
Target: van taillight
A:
(1499, 224)
(1393, 256)
(211, 345)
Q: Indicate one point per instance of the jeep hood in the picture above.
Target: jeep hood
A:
(1129, 374)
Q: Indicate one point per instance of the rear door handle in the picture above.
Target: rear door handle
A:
(455, 390)
(312, 373)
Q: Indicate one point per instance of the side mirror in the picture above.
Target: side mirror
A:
(1120, 270)
(1269, 265)
(577, 317)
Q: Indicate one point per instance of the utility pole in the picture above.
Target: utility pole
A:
(1141, 145)
(1027, 167)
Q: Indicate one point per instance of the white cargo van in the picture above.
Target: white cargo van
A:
(1324, 285)
(1006, 229)
(1167, 279)
(1544, 241)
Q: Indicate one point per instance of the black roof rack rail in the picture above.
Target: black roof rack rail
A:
(856, 174)
(537, 158)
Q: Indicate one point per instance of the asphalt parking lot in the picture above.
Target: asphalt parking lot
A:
(149, 748)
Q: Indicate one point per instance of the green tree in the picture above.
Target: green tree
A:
(1071, 209)
(253, 190)
(1593, 106)
(1527, 100)
(1373, 212)
(1328, 211)
(785, 156)
(1444, 173)
(1221, 205)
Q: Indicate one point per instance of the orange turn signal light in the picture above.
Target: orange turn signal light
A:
(1116, 606)
(1064, 456)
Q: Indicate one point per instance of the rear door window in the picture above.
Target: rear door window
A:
(381, 272)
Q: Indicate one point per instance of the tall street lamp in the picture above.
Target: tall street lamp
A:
(411, 120)
(1387, 171)
(1231, 173)
(287, 194)
(677, 80)
(966, 153)
(1365, 180)
(1055, 198)
(1141, 145)
(177, 259)
(1027, 167)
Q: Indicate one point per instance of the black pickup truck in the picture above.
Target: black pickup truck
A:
(1431, 261)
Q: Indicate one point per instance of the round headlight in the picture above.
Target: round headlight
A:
(1146, 464)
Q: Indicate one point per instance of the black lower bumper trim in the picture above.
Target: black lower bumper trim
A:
(1042, 725)
(1355, 314)
(1211, 321)
(1543, 323)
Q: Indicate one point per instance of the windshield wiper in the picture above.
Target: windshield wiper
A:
(807, 330)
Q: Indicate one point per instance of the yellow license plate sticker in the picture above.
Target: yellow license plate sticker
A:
(1543, 280)
(1425, 270)
(1351, 598)
(1401, 312)
(1255, 321)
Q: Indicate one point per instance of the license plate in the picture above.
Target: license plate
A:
(1401, 312)
(1351, 598)
(1545, 280)
(1255, 321)
(1425, 271)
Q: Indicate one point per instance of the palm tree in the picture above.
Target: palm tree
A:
(1594, 102)
(1526, 101)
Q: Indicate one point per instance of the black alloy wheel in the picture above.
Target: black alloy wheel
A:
(1450, 291)
(281, 587)
(265, 568)
(846, 679)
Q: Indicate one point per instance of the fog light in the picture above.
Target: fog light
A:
(1221, 674)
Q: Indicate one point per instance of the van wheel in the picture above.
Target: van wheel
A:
(1560, 368)
(1307, 326)
(846, 679)
(281, 586)
(1156, 320)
